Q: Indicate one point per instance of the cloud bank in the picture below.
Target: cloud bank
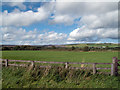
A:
(95, 21)
(33, 37)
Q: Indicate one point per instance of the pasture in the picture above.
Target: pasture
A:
(14, 77)
(61, 56)
(93, 45)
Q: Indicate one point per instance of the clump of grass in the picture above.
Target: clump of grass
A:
(55, 77)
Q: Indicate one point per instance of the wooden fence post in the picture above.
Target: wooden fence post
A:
(32, 64)
(94, 68)
(66, 65)
(6, 62)
(114, 67)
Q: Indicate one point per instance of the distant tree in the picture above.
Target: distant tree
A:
(22, 47)
(53, 47)
(73, 48)
(107, 47)
(39, 47)
(16, 48)
(34, 48)
(80, 48)
(86, 48)
(6, 48)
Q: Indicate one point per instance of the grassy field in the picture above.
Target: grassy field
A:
(56, 78)
(93, 45)
(61, 56)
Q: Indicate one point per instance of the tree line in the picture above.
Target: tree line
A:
(53, 47)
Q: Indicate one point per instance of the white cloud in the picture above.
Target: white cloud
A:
(21, 36)
(62, 0)
(62, 19)
(100, 21)
(21, 18)
(84, 8)
(20, 5)
(24, 18)
(107, 20)
(65, 12)
(51, 38)
(91, 35)
(87, 0)
(82, 34)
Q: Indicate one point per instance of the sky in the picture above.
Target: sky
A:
(56, 23)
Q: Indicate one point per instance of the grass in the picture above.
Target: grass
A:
(56, 77)
(17, 77)
(93, 45)
(61, 56)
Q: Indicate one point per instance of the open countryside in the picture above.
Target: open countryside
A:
(59, 44)
(55, 77)
(61, 56)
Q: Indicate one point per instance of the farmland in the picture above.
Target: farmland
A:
(66, 47)
(94, 45)
(61, 56)
(54, 78)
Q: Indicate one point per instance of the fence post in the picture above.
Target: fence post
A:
(32, 64)
(114, 67)
(94, 68)
(6, 62)
(66, 65)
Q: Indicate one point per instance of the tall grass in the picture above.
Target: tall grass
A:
(55, 77)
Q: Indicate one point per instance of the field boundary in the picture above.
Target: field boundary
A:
(114, 65)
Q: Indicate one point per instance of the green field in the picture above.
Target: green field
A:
(93, 45)
(61, 56)
(17, 77)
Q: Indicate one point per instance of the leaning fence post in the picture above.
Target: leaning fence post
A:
(114, 67)
(6, 62)
(66, 65)
(94, 68)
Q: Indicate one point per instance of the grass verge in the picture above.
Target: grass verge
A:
(55, 77)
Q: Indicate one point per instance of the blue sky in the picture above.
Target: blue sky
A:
(44, 23)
